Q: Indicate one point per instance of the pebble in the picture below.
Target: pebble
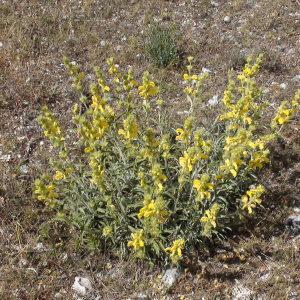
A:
(227, 19)
(24, 169)
(39, 247)
(283, 86)
(293, 223)
(81, 285)
(170, 276)
(214, 4)
(240, 292)
(102, 43)
(296, 78)
(5, 157)
(206, 70)
(213, 101)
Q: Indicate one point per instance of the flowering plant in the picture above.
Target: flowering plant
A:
(131, 182)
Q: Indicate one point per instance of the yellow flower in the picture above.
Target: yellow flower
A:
(182, 135)
(137, 241)
(259, 159)
(285, 112)
(45, 192)
(51, 127)
(209, 220)
(165, 146)
(203, 187)
(59, 175)
(186, 162)
(190, 58)
(186, 77)
(176, 250)
(252, 198)
(188, 90)
(130, 131)
(190, 157)
(200, 142)
(107, 231)
(106, 88)
(148, 88)
(141, 176)
(154, 209)
(158, 177)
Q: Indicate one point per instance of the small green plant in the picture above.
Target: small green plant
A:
(129, 181)
(161, 46)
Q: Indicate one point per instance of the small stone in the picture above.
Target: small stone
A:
(214, 4)
(82, 285)
(296, 210)
(58, 296)
(39, 247)
(227, 19)
(170, 276)
(240, 292)
(23, 262)
(296, 78)
(213, 101)
(102, 43)
(119, 48)
(293, 224)
(1, 44)
(24, 169)
(283, 86)
(205, 70)
(140, 296)
(184, 112)
(5, 157)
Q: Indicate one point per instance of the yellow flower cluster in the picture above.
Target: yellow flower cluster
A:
(131, 129)
(235, 151)
(194, 82)
(107, 231)
(112, 67)
(241, 111)
(51, 127)
(203, 187)
(176, 250)
(59, 175)
(252, 198)
(97, 169)
(155, 209)
(137, 240)
(148, 88)
(94, 123)
(45, 192)
(76, 74)
(209, 220)
(196, 148)
(129, 82)
(158, 177)
(184, 134)
(150, 150)
(164, 146)
(189, 159)
(286, 110)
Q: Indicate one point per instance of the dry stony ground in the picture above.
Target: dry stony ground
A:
(260, 261)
